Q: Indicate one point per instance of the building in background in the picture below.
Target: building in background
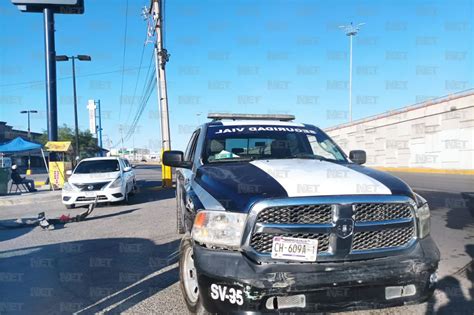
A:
(8, 133)
(436, 135)
(136, 154)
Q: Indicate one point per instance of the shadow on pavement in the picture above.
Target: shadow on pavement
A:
(87, 276)
(460, 212)
(10, 229)
(149, 191)
(458, 301)
(103, 216)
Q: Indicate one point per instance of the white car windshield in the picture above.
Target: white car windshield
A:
(97, 166)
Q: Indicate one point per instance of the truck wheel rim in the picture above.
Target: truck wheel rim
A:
(190, 277)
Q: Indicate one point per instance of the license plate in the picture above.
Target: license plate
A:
(298, 249)
(90, 194)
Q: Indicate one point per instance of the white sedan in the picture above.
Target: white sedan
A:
(107, 179)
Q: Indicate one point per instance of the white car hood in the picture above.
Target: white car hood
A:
(93, 178)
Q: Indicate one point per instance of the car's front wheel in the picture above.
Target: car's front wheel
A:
(126, 198)
(188, 278)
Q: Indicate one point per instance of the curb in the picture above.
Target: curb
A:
(30, 198)
(424, 170)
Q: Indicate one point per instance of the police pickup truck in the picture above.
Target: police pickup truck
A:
(277, 218)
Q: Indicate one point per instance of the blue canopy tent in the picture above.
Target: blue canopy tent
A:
(21, 145)
(18, 145)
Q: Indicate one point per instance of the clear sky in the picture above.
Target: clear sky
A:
(265, 56)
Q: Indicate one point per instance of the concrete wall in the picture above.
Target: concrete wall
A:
(437, 134)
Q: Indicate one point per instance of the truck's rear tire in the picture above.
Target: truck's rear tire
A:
(188, 278)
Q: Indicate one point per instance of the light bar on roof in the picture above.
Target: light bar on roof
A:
(221, 116)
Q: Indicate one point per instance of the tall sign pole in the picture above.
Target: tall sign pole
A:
(161, 58)
(49, 8)
(50, 59)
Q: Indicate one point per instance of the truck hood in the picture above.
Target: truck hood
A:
(237, 186)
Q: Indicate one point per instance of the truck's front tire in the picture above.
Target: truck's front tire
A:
(188, 278)
(179, 225)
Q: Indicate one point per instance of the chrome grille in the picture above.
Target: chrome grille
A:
(370, 212)
(378, 223)
(301, 214)
(262, 242)
(382, 239)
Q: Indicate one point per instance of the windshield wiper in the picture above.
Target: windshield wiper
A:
(309, 156)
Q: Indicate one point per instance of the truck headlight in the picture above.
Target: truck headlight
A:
(219, 228)
(423, 217)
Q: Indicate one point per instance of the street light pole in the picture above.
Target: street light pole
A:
(28, 112)
(76, 123)
(350, 31)
(350, 78)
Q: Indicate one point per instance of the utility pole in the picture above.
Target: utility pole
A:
(350, 31)
(161, 58)
(121, 139)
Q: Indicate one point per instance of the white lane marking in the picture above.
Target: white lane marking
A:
(302, 177)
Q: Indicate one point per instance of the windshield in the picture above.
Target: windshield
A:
(230, 143)
(98, 166)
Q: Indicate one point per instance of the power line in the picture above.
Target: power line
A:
(136, 82)
(123, 57)
(148, 90)
(39, 82)
(144, 101)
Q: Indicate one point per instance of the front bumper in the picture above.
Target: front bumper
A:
(86, 197)
(326, 286)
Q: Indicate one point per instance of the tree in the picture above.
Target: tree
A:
(87, 143)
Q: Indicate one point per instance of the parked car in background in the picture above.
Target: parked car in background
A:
(107, 179)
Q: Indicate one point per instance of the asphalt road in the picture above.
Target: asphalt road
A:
(124, 258)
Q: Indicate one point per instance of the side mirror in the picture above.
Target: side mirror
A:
(358, 156)
(175, 159)
(127, 169)
(68, 172)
